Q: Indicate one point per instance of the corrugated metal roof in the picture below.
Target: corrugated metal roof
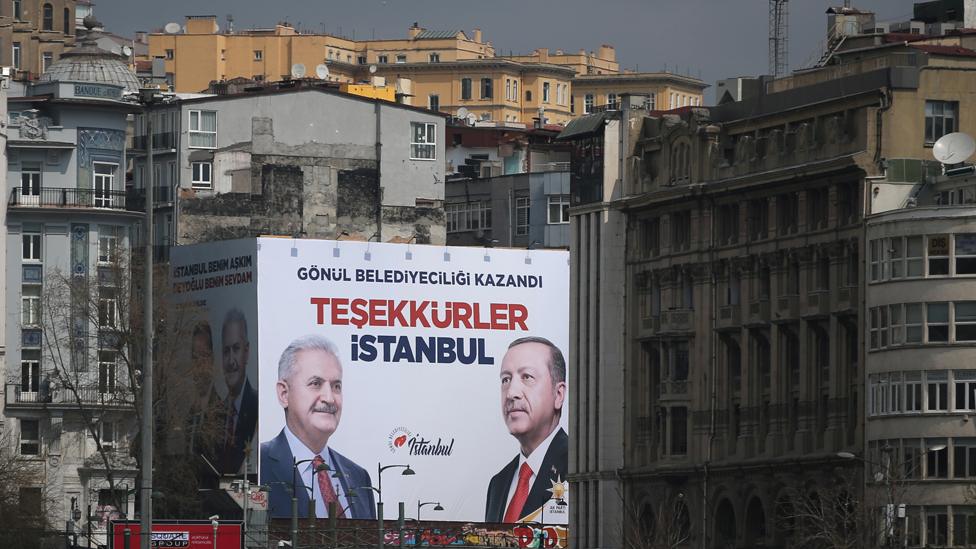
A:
(955, 51)
(436, 35)
(584, 125)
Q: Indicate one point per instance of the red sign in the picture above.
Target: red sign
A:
(192, 534)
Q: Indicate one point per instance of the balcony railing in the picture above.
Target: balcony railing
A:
(52, 197)
(162, 197)
(161, 141)
(90, 395)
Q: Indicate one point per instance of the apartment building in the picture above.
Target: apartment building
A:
(760, 253)
(34, 33)
(68, 402)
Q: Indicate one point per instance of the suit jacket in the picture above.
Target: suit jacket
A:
(230, 457)
(277, 471)
(555, 463)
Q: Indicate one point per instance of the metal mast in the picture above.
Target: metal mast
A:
(779, 32)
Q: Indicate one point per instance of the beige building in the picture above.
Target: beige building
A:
(661, 90)
(796, 308)
(34, 33)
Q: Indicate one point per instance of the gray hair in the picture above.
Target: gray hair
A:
(310, 342)
(557, 364)
(234, 315)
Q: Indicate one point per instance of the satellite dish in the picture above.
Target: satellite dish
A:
(172, 28)
(372, 69)
(297, 70)
(953, 148)
(472, 118)
(462, 112)
(127, 51)
(321, 71)
(116, 50)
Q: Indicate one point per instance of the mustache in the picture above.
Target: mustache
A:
(326, 408)
(513, 407)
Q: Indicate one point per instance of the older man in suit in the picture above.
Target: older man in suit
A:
(309, 388)
(533, 389)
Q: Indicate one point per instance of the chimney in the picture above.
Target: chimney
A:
(477, 35)
(607, 52)
(414, 30)
(543, 54)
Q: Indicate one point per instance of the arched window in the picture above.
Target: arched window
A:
(67, 21)
(48, 17)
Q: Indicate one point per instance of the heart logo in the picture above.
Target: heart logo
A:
(400, 441)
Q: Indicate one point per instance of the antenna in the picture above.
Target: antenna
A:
(298, 70)
(779, 31)
(372, 69)
(321, 71)
(953, 148)
(172, 28)
(462, 113)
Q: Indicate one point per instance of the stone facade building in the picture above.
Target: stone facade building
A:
(737, 241)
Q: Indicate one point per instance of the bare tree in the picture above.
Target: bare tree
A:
(666, 526)
(23, 497)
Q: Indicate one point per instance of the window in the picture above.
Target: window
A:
(528, 95)
(434, 57)
(515, 94)
(965, 320)
(30, 372)
(106, 372)
(680, 230)
(401, 58)
(103, 184)
(940, 118)
(650, 237)
(434, 102)
(817, 208)
(588, 103)
(913, 323)
(897, 326)
(936, 459)
(679, 430)
(965, 253)
(936, 527)
(361, 59)
(508, 89)
(937, 391)
(453, 214)
(108, 314)
(913, 392)
(30, 310)
(914, 265)
(964, 382)
(46, 59)
(382, 59)
(937, 321)
(48, 17)
(30, 437)
(107, 431)
(787, 212)
(545, 92)
(465, 88)
(478, 215)
(67, 21)
(963, 526)
(486, 88)
(521, 216)
(169, 54)
(611, 101)
(258, 55)
(15, 57)
(558, 209)
(31, 247)
(423, 142)
(17, 11)
(728, 224)
(108, 244)
(202, 175)
(758, 211)
(964, 458)
(203, 129)
(30, 183)
(938, 252)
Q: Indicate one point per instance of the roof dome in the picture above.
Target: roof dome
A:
(90, 63)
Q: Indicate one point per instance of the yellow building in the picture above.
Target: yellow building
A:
(663, 90)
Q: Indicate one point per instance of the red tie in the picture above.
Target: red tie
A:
(514, 511)
(325, 486)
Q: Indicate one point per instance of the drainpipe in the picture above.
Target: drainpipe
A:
(379, 169)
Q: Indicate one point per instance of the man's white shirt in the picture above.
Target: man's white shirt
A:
(301, 453)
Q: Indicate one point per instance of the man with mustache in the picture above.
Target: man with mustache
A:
(533, 389)
(309, 388)
(239, 414)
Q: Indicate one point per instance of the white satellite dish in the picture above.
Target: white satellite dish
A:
(953, 148)
(372, 69)
(127, 51)
(297, 70)
(172, 28)
(462, 112)
(472, 118)
(321, 71)
(116, 50)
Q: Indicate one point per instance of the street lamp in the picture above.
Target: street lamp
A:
(215, 522)
(294, 495)
(424, 504)
(560, 502)
(379, 491)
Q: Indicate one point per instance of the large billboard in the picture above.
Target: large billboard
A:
(373, 357)
(168, 534)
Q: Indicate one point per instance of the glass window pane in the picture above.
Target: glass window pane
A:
(938, 312)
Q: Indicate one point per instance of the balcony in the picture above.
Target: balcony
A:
(68, 198)
(758, 312)
(729, 317)
(847, 298)
(64, 398)
(136, 198)
(818, 303)
(677, 321)
(161, 142)
(788, 307)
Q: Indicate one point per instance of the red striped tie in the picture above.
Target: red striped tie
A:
(325, 486)
(514, 511)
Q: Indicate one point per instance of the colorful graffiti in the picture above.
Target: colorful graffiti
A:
(520, 537)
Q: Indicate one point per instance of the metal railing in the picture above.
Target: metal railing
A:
(53, 197)
(87, 395)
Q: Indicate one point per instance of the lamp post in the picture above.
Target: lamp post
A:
(294, 496)
(379, 491)
(420, 506)
(215, 522)
(542, 518)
